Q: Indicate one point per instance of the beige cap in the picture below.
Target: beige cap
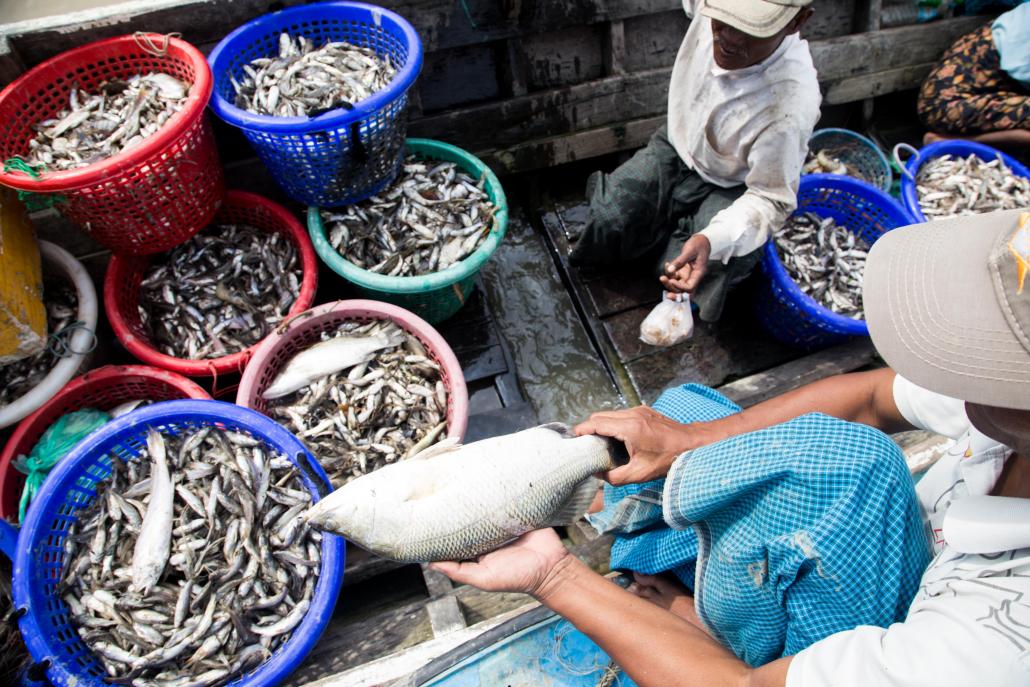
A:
(948, 306)
(761, 18)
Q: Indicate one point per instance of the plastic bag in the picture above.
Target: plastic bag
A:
(670, 322)
(57, 442)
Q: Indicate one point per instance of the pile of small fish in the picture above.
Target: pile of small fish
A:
(220, 292)
(825, 260)
(366, 395)
(62, 307)
(120, 115)
(824, 162)
(304, 81)
(950, 186)
(433, 216)
(191, 565)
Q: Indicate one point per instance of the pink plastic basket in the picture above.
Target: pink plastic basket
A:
(304, 329)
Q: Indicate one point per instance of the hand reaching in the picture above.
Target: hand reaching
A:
(687, 270)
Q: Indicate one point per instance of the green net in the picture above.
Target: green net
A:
(57, 441)
(33, 201)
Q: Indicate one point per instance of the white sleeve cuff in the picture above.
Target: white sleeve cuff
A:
(722, 245)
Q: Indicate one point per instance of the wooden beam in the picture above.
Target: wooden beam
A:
(845, 357)
(871, 85)
(614, 50)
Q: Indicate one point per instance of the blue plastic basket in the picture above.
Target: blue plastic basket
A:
(794, 317)
(957, 148)
(342, 156)
(856, 151)
(46, 624)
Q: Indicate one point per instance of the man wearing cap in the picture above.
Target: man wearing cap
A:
(952, 319)
(706, 192)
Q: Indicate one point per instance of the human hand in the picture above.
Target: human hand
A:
(531, 564)
(687, 270)
(652, 440)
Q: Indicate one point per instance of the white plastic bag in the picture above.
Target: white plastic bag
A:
(670, 322)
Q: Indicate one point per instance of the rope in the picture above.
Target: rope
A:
(147, 43)
(59, 343)
(468, 15)
(33, 201)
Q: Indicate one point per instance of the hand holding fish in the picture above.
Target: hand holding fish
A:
(652, 440)
(687, 270)
(532, 564)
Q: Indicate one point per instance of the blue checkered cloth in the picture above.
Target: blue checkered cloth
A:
(804, 529)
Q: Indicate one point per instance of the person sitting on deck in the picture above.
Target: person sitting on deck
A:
(953, 317)
(715, 181)
(981, 89)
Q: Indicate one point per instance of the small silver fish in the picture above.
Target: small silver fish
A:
(950, 186)
(151, 552)
(453, 502)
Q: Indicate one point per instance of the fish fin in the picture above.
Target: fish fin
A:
(561, 428)
(439, 448)
(575, 507)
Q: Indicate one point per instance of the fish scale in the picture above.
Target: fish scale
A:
(951, 186)
(825, 259)
(433, 216)
(363, 417)
(211, 614)
(453, 502)
(220, 292)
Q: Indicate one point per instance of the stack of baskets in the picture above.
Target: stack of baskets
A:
(794, 317)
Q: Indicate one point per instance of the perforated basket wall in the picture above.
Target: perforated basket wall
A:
(433, 297)
(143, 200)
(909, 195)
(341, 156)
(102, 389)
(784, 310)
(856, 151)
(46, 625)
(305, 329)
(124, 274)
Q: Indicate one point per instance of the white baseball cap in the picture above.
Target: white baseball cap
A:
(760, 18)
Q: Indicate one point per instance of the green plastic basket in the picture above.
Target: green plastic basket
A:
(433, 297)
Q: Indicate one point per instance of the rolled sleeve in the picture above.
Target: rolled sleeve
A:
(928, 410)
(774, 168)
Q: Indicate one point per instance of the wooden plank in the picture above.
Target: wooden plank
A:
(569, 56)
(362, 565)
(475, 67)
(445, 616)
(831, 18)
(615, 49)
(514, 70)
(839, 359)
(653, 40)
(872, 85)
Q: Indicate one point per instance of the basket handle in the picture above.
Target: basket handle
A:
(896, 153)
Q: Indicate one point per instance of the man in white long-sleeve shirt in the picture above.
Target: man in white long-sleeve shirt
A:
(710, 187)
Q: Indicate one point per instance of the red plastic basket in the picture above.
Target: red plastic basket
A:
(124, 274)
(144, 200)
(305, 329)
(103, 389)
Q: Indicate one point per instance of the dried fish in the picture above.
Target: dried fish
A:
(62, 307)
(232, 580)
(386, 404)
(120, 115)
(220, 292)
(305, 81)
(950, 186)
(433, 216)
(826, 260)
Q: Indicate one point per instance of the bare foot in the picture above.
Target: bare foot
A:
(931, 137)
(670, 595)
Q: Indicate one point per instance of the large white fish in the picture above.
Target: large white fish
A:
(454, 502)
(155, 534)
(327, 357)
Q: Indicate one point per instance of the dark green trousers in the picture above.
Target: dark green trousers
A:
(647, 209)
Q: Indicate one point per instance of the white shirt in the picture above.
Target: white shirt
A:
(970, 621)
(745, 126)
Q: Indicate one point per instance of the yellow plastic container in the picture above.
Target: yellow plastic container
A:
(22, 312)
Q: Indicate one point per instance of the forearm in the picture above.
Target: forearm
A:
(653, 646)
(864, 397)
